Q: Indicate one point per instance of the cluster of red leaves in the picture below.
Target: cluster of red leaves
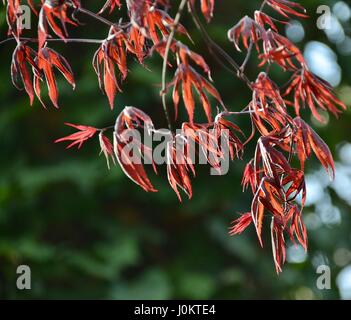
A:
(307, 88)
(44, 60)
(180, 166)
(275, 184)
(110, 54)
(186, 77)
(85, 133)
(22, 56)
(42, 65)
(52, 12)
(133, 119)
(211, 144)
(149, 23)
(278, 187)
(47, 59)
(13, 10)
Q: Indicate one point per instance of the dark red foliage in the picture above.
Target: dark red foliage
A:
(277, 184)
(110, 54)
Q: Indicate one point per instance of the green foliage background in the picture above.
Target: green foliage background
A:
(87, 232)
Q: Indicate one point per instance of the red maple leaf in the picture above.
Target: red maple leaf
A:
(22, 56)
(131, 119)
(78, 138)
(112, 4)
(46, 60)
(51, 12)
(309, 89)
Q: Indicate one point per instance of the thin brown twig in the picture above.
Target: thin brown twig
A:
(247, 57)
(100, 18)
(215, 48)
(95, 16)
(79, 40)
(86, 12)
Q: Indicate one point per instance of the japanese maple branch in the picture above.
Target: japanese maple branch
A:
(241, 112)
(77, 40)
(223, 113)
(98, 17)
(239, 70)
(95, 16)
(214, 47)
(165, 60)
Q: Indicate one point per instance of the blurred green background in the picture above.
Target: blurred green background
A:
(87, 232)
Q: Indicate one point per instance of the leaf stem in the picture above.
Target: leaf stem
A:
(78, 40)
(247, 57)
(215, 48)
